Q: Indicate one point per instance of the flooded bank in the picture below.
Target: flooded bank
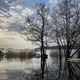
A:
(17, 69)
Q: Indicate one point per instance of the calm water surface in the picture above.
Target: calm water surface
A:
(16, 69)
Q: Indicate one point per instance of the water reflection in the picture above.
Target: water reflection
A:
(13, 75)
(19, 68)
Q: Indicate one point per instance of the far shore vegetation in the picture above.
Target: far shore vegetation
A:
(21, 54)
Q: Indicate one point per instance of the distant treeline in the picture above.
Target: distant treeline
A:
(10, 54)
(55, 47)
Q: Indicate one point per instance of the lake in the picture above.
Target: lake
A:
(17, 69)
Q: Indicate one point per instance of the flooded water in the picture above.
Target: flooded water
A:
(16, 69)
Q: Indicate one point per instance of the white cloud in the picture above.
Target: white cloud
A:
(19, 6)
(13, 40)
(3, 20)
(14, 16)
(16, 7)
(6, 1)
(12, 8)
(56, 1)
(53, 1)
(16, 13)
(26, 12)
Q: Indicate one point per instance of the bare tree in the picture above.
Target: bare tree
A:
(66, 31)
(36, 30)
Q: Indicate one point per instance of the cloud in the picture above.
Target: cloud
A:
(19, 6)
(5, 4)
(15, 14)
(17, 10)
(13, 40)
(25, 12)
(53, 1)
(14, 26)
(12, 16)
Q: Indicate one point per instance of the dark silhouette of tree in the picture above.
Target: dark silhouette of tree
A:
(63, 27)
(66, 32)
(36, 30)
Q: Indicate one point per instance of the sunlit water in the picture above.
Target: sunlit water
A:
(16, 69)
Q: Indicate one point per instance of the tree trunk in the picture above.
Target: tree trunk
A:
(42, 51)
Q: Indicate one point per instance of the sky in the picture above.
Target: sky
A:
(12, 16)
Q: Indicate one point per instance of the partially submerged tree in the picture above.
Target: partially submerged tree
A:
(66, 31)
(63, 28)
(36, 30)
